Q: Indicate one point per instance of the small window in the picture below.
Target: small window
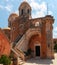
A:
(37, 24)
(22, 12)
(28, 11)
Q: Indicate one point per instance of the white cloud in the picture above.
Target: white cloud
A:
(38, 14)
(6, 0)
(17, 12)
(36, 6)
(31, 0)
(53, 6)
(8, 8)
(24, 0)
(55, 33)
(39, 0)
(43, 6)
(55, 29)
(50, 13)
(1, 7)
(40, 10)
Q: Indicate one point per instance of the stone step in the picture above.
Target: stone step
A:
(20, 62)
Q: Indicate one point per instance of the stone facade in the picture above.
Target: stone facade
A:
(4, 44)
(28, 33)
(7, 32)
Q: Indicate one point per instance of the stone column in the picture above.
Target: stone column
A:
(43, 41)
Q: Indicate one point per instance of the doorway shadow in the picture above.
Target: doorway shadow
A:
(40, 61)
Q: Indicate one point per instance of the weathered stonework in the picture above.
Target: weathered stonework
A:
(4, 44)
(27, 33)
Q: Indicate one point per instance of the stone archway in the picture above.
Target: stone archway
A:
(34, 45)
(31, 39)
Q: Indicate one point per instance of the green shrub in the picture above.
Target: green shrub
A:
(5, 60)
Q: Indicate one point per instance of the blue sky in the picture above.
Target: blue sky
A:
(39, 9)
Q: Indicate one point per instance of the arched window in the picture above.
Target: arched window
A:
(28, 11)
(22, 12)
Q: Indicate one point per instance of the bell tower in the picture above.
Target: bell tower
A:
(25, 9)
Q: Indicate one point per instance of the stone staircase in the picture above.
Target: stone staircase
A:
(22, 45)
(23, 42)
(19, 60)
(20, 53)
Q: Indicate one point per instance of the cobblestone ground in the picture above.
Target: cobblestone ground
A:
(42, 61)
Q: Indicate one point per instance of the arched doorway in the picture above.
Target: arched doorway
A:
(35, 45)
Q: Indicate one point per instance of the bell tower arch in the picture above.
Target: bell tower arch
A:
(25, 9)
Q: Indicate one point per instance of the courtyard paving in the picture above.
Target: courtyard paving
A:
(42, 61)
